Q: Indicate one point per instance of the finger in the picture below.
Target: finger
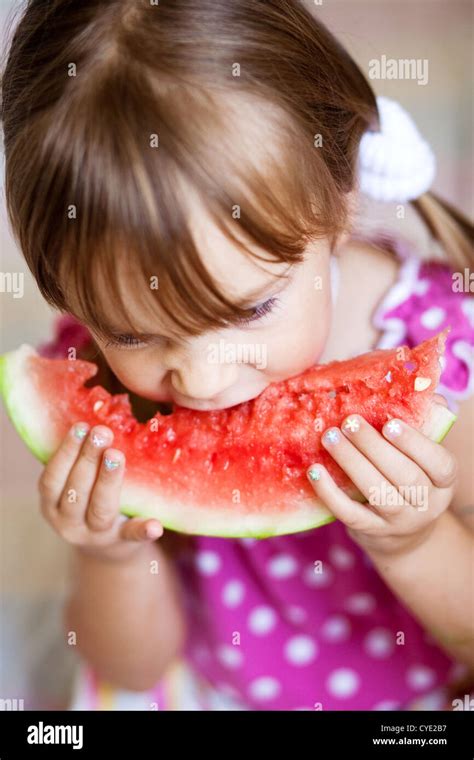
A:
(76, 493)
(356, 516)
(54, 476)
(436, 461)
(365, 476)
(104, 501)
(402, 472)
(139, 529)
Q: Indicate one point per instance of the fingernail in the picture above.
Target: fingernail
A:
(111, 464)
(332, 436)
(80, 431)
(392, 429)
(99, 438)
(153, 531)
(314, 473)
(351, 425)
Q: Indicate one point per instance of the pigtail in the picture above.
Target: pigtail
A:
(449, 226)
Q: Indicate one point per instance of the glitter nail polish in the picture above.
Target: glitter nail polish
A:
(351, 425)
(80, 431)
(314, 474)
(332, 436)
(110, 464)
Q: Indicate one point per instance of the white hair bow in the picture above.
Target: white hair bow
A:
(396, 163)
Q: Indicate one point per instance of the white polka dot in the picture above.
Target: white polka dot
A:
(264, 688)
(262, 620)
(343, 683)
(317, 577)
(387, 704)
(233, 593)
(248, 541)
(300, 650)
(296, 614)
(282, 566)
(207, 562)
(467, 306)
(420, 677)
(379, 643)
(341, 557)
(421, 287)
(360, 604)
(229, 656)
(336, 628)
(432, 318)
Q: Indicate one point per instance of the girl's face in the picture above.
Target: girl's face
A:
(223, 367)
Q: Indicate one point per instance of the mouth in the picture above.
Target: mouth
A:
(215, 404)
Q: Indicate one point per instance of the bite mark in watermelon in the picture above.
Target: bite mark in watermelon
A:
(234, 472)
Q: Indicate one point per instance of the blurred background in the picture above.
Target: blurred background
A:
(36, 663)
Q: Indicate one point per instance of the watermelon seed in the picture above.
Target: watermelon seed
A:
(177, 455)
(422, 383)
(332, 394)
(388, 377)
(98, 405)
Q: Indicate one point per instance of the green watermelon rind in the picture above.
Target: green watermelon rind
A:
(180, 517)
(15, 411)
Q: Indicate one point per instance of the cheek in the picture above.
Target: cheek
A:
(299, 339)
(309, 323)
(137, 370)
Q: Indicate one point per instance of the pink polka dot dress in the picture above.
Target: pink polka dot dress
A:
(304, 622)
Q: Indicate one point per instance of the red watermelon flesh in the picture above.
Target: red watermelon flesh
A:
(238, 471)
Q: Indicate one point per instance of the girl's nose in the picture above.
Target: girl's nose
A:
(201, 379)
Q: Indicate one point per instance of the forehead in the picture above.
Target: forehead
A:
(239, 276)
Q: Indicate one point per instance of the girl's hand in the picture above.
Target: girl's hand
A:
(79, 490)
(407, 479)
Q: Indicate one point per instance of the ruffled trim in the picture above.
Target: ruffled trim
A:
(419, 317)
(394, 328)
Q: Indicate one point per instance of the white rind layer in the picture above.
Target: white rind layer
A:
(21, 398)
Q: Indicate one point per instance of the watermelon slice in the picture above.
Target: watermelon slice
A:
(234, 472)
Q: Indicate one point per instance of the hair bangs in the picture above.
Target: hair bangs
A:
(132, 206)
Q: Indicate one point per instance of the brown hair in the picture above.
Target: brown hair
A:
(111, 109)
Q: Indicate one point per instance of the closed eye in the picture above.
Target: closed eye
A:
(126, 340)
(261, 310)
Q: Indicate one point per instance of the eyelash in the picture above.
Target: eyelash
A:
(124, 341)
(261, 310)
(129, 341)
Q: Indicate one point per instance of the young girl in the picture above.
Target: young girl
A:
(181, 173)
